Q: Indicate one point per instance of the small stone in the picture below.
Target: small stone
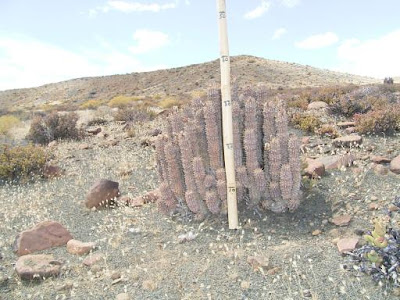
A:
(273, 271)
(94, 131)
(149, 285)
(79, 248)
(373, 198)
(347, 141)
(373, 206)
(346, 124)
(93, 259)
(84, 146)
(317, 105)
(245, 285)
(115, 275)
(393, 208)
(343, 220)
(316, 232)
(395, 165)
(307, 293)
(258, 261)
(347, 244)
(380, 169)
(123, 296)
(350, 130)
(37, 266)
(305, 140)
(378, 159)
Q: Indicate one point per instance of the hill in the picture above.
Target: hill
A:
(177, 81)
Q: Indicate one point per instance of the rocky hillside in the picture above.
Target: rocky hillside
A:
(177, 81)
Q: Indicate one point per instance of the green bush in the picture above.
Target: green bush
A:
(21, 162)
(54, 126)
(91, 104)
(307, 123)
(7, 122)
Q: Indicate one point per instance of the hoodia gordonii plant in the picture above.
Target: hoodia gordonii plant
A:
(267, 158)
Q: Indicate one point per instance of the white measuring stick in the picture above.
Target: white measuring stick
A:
(227, 128)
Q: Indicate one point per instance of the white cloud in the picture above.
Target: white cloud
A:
(148, 40)
(278, 33)
(26, 62)
(290, 3)
(129, 7)
(318, 41)
(258, 11)
(375, 57)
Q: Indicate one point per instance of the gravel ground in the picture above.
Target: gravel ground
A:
(143, 246)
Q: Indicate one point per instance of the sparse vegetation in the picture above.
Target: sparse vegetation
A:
(122, 101)
(306, 122)
(7, 122)
(169, 102)
(54, 126)
(328, 130)
(385, 120)
(21, 162)
(132, 115)
(91, 104)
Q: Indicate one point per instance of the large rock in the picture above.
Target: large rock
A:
(314, 168)
(44, 235)
(347, 141)
(37, 266)
(317, 105)
(336, 161)
(102, 193)
(379, 159)
(395, 165)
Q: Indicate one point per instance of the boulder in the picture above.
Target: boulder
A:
(44, 235)
(347, 141)
(317, 105)
(102, 193)
(336, 161)
(79, 248)
(378, 159)
(37, 266)
(314, 168)
(395, 165)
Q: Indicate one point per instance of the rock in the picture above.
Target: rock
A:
(94, 131)
(373, 206)
(51, 171)
(149, 285)
(317, 105)
(380, 169)
(93, 259)
(155, 132)
(343, 220)
(44, 235)
(133, 202)
(378, 159)
(395, 165)
(305, 140)
(346, 124)
(307, 294)
(79, 248)
(350, 130)
(37, 266)
(314, 168)
(123, 296)
(258, 261)
(115, 275)
(347, 141)
(151, 197)
(316, 232)
(84, 146)
(102, 193)
(245, 285)
(393, 207)
(336, 161)
(347, 244)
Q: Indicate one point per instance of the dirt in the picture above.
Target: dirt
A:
(143, 246)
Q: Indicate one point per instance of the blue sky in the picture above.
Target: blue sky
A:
(44, 41)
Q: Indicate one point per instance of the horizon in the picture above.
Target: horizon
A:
(47, 42)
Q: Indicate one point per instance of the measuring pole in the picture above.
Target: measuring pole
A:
(227, 128)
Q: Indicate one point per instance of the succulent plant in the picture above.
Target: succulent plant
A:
(377, 237)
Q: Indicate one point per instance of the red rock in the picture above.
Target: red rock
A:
(51, 171)
(395, 165)
(317, 105)
(337, 161)
(373, 206)
(347, 244)
(343, 220)
(37, 266)
(305, 140)
(314, 168)
(347, 141)
(44, 235)
(79, 248)
(102, 193)
(346, 124)
(378, 159)
(93, 259)
(350, 130)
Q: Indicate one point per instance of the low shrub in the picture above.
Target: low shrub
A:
(328, 130)
(307, 123)
(54, 126)
(169, 102)
(91, 104)
(7, 122)
(97, 121)
(121, 101)
(132, 115)
(386, 120)
(21, 162)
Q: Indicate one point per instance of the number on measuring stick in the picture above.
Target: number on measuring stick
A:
(231, 189)
(222, 15)
(227, 102)
(229, 146)
(225, 58)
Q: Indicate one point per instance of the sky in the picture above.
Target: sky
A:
(45, 41)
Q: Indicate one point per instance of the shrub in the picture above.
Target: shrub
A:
(91, 104)
(54, 126)
(385, 120)
(168, 103)
(121, 101)
(132, 115)
(308, 123)
(328, 130)
(7, 122)
(388, 80)
(21, 162)
(97, 121)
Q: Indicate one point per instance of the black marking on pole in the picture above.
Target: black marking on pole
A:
(225, 58)
(229, 146)
(227, 102)
(222, 15)
(231, 189)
